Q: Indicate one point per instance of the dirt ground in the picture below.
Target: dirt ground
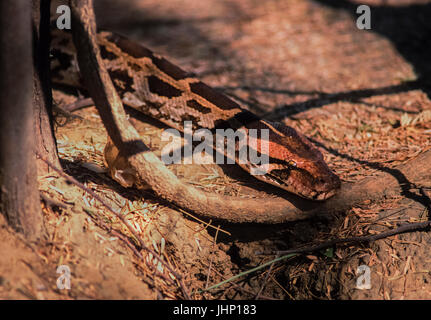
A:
(362, 95)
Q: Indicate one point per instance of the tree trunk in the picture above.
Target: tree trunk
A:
(42, 97)
(19, 196)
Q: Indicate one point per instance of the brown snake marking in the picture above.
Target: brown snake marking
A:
(156, 87)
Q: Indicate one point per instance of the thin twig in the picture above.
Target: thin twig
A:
(51, 202)
(248, 271)
(237, 286)
(178, 276)
(207, 224)
(265, 281)
(79, 104)
(99, 222)
(410, 227)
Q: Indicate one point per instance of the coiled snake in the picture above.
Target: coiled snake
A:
(158, 88)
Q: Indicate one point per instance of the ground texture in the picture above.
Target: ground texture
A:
(362, 95)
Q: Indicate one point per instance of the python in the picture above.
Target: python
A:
(239, 146)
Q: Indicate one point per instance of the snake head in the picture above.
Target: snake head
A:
(295, 164)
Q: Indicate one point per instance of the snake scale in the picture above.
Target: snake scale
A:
(152, 85)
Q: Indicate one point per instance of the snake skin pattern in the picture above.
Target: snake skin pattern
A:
(154, 86)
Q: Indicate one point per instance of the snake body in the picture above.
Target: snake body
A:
(154, 86)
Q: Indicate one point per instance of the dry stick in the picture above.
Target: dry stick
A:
(387, 182)
(166, 185)
(248, 272)
(64, 112)
(108, 228)
(90, 62)
(368, 189)
(51, 202)
(265, 280)
(79, 104)
(369, 238)
(98, 221)
(206, 224)
(178, 276)
(237, 286)
(284, 254)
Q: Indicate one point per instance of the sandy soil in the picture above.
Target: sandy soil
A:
(363, 95)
